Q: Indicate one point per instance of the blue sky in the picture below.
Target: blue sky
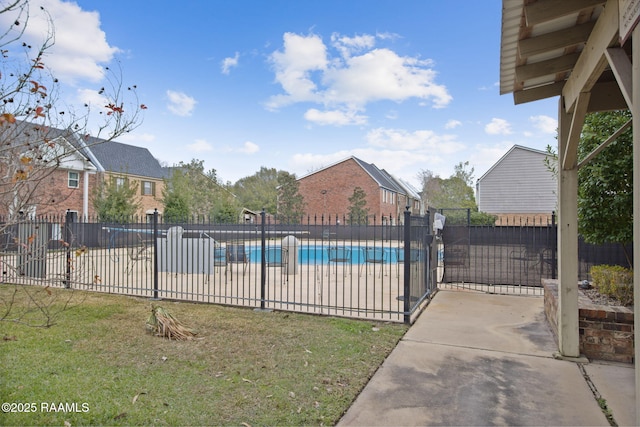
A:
(298, 85)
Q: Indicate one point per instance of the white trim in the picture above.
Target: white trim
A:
(85, 196)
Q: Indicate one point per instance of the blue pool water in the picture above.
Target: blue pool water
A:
(310, 254)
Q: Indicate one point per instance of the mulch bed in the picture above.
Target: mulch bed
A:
(601, 299)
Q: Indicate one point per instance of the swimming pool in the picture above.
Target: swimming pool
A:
(322, 254)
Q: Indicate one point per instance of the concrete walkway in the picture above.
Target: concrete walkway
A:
(480, 359)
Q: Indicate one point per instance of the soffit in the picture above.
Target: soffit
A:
(541, 43)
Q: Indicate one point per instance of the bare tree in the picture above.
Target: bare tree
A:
(39, 132)
(431, 187)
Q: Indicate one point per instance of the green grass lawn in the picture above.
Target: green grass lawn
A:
(246, 367)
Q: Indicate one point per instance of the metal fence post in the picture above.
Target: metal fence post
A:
(263, 261)
(427, 241)
(554, 245)
(407, 265)
(155, 254)
(68, 237)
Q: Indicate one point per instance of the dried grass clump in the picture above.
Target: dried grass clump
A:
(161, 323)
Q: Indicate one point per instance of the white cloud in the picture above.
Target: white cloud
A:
(92, 98)
(545, 124)
(230, 62)
(180, 103)
(335, 117)
(492, 87)
(388, 36)
(350, 45)
(307, 73)
(391, 115)
(71, 57)
(249, 148)
(145, 139)
(498, 127)
(293, 66)
(420, 140)
(200, 146)
(452, 124)
(381, 74)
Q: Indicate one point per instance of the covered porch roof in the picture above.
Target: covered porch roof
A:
(581, 51)
(542, 52)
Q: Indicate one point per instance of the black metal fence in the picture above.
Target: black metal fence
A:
(516, 253)
(381, 270)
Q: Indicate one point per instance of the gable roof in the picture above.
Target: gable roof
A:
(409, 189)
(508, 153)
(380, 176)
(106, 156)
(25, 136)
(22, 132)
(116, 157)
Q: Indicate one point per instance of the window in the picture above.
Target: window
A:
(73, 179)
(120, 182)
(388, 196)
(148, 188)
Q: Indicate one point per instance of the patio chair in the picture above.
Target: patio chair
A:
(237, 254)
(137, 253)
(220, 259)
(339, 255)
(529, 258)
(277, 257)
(373, 256)
(456, 256)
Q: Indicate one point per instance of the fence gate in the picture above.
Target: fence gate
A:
(513, 255)
(420, 262)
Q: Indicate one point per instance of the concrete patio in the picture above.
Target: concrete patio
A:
(480, 359)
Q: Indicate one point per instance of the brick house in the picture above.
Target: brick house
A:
(78, 165)
(55, 175)
(70, 192)
(327, 191)
(122, 162)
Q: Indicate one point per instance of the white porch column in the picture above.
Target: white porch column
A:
(568, 332)
(85, 196)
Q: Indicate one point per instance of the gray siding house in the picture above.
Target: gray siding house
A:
(519, 184)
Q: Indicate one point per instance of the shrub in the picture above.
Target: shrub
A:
(461, 217)
(614, 281)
